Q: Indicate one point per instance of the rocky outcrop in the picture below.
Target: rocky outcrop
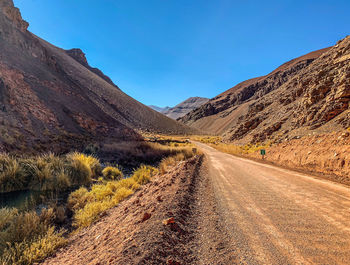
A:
(80, 57)
(12, 13)
(308, 94)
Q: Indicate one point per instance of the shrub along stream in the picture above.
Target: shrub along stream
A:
(29, 236)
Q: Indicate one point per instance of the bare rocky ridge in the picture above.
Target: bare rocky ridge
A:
(182, 108)
(50, 97)
(310, 93)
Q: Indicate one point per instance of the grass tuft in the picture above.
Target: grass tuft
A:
(144, 173)
(27, 237)
(112, 173)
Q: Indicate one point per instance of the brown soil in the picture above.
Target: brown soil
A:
(327, 155)
(169, 221)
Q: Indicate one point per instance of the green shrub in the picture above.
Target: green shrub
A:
(112, 173)
(92, 162)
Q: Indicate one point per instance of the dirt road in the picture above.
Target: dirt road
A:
(276, 216)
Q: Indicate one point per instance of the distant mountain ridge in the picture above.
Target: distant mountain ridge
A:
(159, 109)
(182, 108)
(305, 95)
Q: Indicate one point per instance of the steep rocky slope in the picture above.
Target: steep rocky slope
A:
(182, 108)
(308, 94)
(52, 98)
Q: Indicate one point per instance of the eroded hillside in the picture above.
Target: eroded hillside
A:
(50, 97)
(306, 94)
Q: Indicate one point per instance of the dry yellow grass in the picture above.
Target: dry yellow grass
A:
(27, 237)
(32, 251)
(47, 172)
(216, 142)
(112, 173)
(89, 205)
(144, 174)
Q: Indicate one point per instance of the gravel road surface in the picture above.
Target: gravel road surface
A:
(277, 216)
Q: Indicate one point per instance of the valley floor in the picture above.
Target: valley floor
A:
(221, 209)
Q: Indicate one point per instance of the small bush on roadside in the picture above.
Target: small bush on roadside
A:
(128, 183)
(112, 173)
(121, 194)
(144, 173)
(89, 205)
(171, 161)
(79, 198)
(90, 213)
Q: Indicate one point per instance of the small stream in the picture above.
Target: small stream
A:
(19, 199)
(28, 199)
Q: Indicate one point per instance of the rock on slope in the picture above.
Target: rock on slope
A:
(50, 97)
(183, 108)
(310, 93)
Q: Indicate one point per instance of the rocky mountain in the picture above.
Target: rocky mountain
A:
(185, 107)
(182, 108)
(51, 98)
(309, 94)
(159, 109)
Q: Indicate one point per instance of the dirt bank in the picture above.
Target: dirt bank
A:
(160, 224)
(326, 154)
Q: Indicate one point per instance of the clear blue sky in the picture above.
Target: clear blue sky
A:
(164, 51)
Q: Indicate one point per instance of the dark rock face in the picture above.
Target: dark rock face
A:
(309, 93)
(79, 56)
(51, 99)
